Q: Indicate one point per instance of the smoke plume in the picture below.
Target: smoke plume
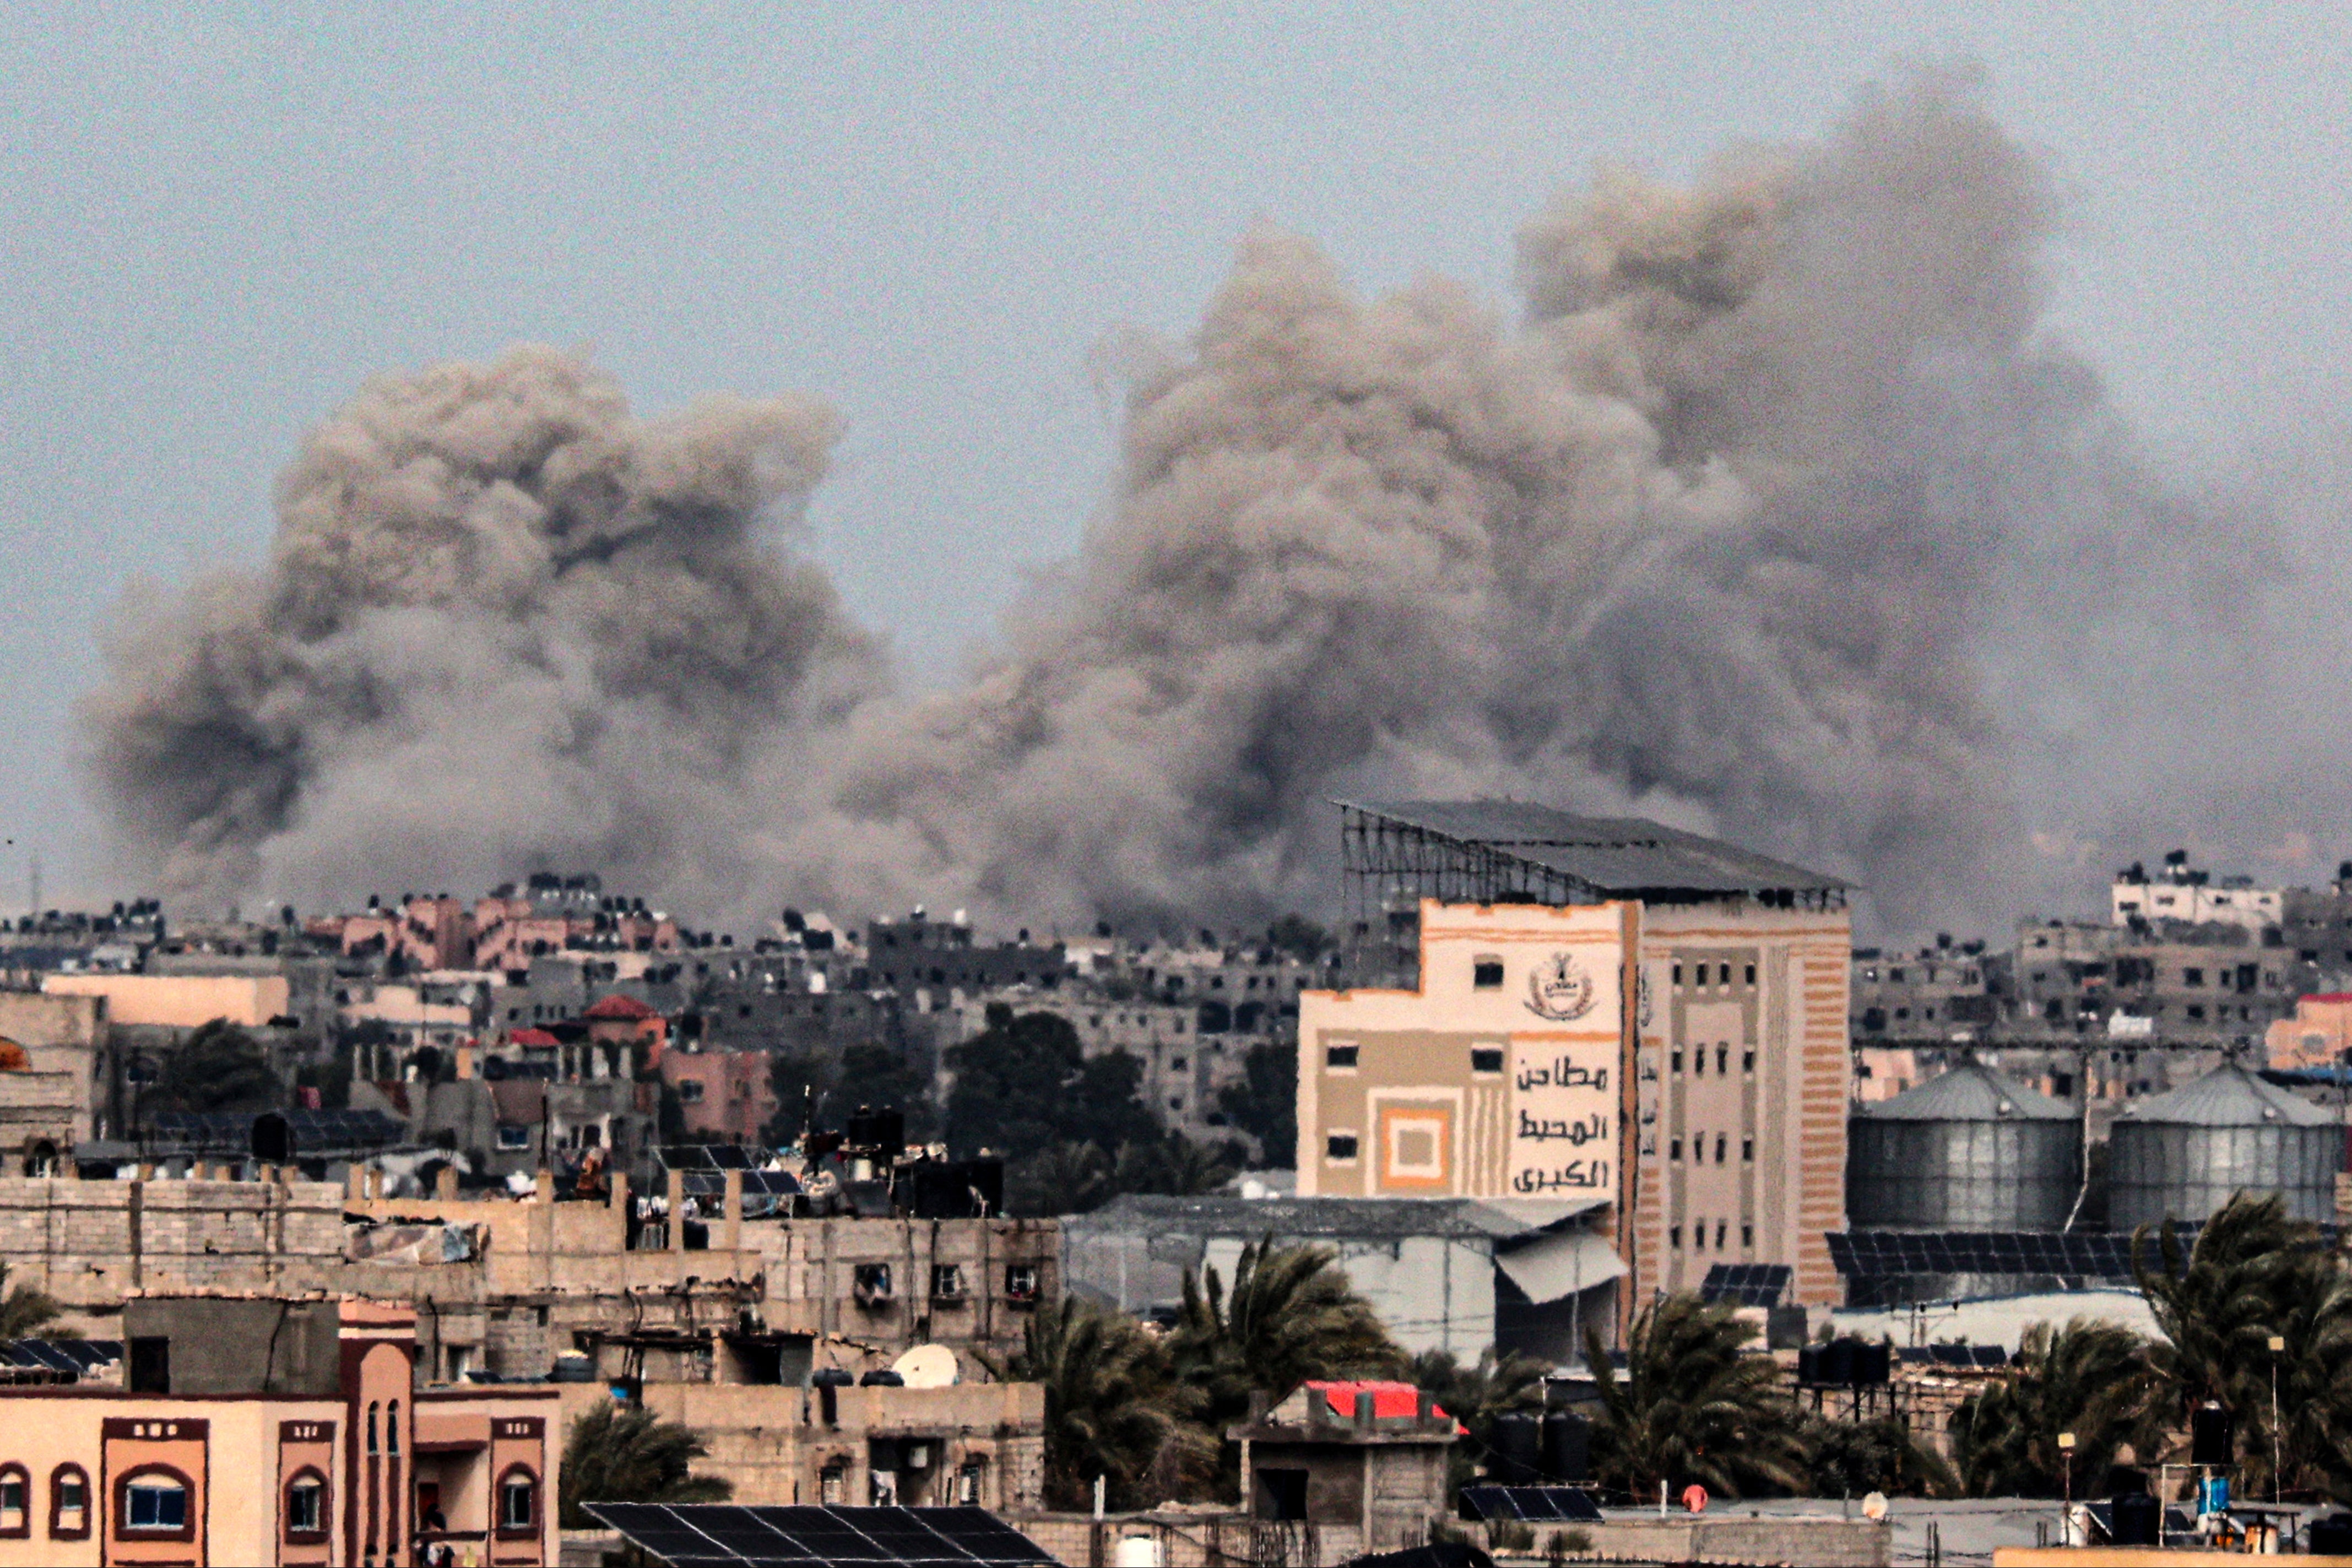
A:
(1776, 513)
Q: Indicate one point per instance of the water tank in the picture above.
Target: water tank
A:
(2181, 1155)
(1965, 1151)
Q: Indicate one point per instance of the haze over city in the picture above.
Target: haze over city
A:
(1903, 441)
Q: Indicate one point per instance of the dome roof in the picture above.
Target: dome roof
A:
(1969, 1092)
(2229, 1096)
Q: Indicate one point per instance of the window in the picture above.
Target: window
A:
(16, 1502)
(1719, 1235)
(1699, 1061)
(1678, 1059)
(1752, 974)
(1677, 978)
(1748, 1236)
(1674, 1237)
(947, 1281)
(1723, 974)
(1723, 1059)
(155, 1501)
(1021, 1281)
(392, 1427)
(1674, 1149)
(68, 1503)
(1485, 1058)
(2192, 976)
(513, 1136)
(1747, 1150)
(1340, 1146)
(871, 1281)
(1486, 973)
(690, 1091)
(967, 1489)
(1747, 1060)
(1339, 1058)
(1718, 1150)
(518, 1502)
(372, 1411)
(832, 1483)
(306, 1508)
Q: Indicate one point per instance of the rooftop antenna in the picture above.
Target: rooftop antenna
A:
(33, 889)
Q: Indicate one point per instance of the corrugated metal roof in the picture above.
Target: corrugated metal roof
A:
(1614, 855)
(1969, 1092)
(2229, 1096)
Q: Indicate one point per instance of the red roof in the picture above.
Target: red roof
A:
(532, 1037)
(626, 1008)
(1389, 1399)
(2330, 996)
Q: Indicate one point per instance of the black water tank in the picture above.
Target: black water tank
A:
(2138, 1520)
(2329, 1537)
(1871, 1363)
(1516, 1446)
(884, 1131)
(273, 1140)
(2208, 1435)
(1567, 1448)
(1836, 1363)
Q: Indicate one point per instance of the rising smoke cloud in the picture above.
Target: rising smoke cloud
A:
(1777, 513)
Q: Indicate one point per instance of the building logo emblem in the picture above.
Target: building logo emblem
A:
(1559, 988)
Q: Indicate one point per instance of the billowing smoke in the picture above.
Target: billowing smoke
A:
(1776, 514)
(505, 626)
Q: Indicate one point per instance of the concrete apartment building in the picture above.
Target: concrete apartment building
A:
(1610, 1011)
(52, 1065)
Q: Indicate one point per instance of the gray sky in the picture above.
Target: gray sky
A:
(221, 219)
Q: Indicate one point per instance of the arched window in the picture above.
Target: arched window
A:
(68, 1503)
(16, 1502)
(150, 1503)
(372, 1409)
(306, 1507)
(518, 1502)
(392, 1427)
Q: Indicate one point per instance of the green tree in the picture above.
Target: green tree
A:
(1854, 1459)
(219, 1067)
(1171, 1163)
(620, 1453)
(1112, 1406)
(1264, 1104)
(27, 1310)
(1690, 1406)
(1290, 1316)
(1024, 1083)
(1062, 1178)
(1478, 1395)
(2252, 1275)
(796, 1078)
(1300, 937)
(2091, 1378)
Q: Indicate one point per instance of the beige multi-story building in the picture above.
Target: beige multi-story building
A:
(1607, 1013)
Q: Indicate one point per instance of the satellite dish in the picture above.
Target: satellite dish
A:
(1875, 1506)
(926, 1366)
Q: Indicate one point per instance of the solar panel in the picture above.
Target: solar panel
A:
(1539, 1505)
(692, 1534)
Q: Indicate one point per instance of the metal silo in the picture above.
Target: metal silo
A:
(2181, 1155)
(1965, 1151)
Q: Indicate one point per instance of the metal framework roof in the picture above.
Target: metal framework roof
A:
(1516, 850)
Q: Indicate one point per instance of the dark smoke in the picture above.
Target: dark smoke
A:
(1779, 514)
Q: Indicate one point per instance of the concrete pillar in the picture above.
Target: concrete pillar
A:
(445, 1183)
(465, 1062)
(732, 1198)
(675, 1192)
(544, 1188)
(354, 1182)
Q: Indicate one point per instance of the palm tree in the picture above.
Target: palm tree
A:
(27, 1310)
(1174, 1164)
(1060, 1179)
(1853, 1459)
(1112, 1407)
(1690, 1406)
(1291, 1316)
(1476, 1395)
(619, 1453)
(2094, 1379)
(2253, 1275)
